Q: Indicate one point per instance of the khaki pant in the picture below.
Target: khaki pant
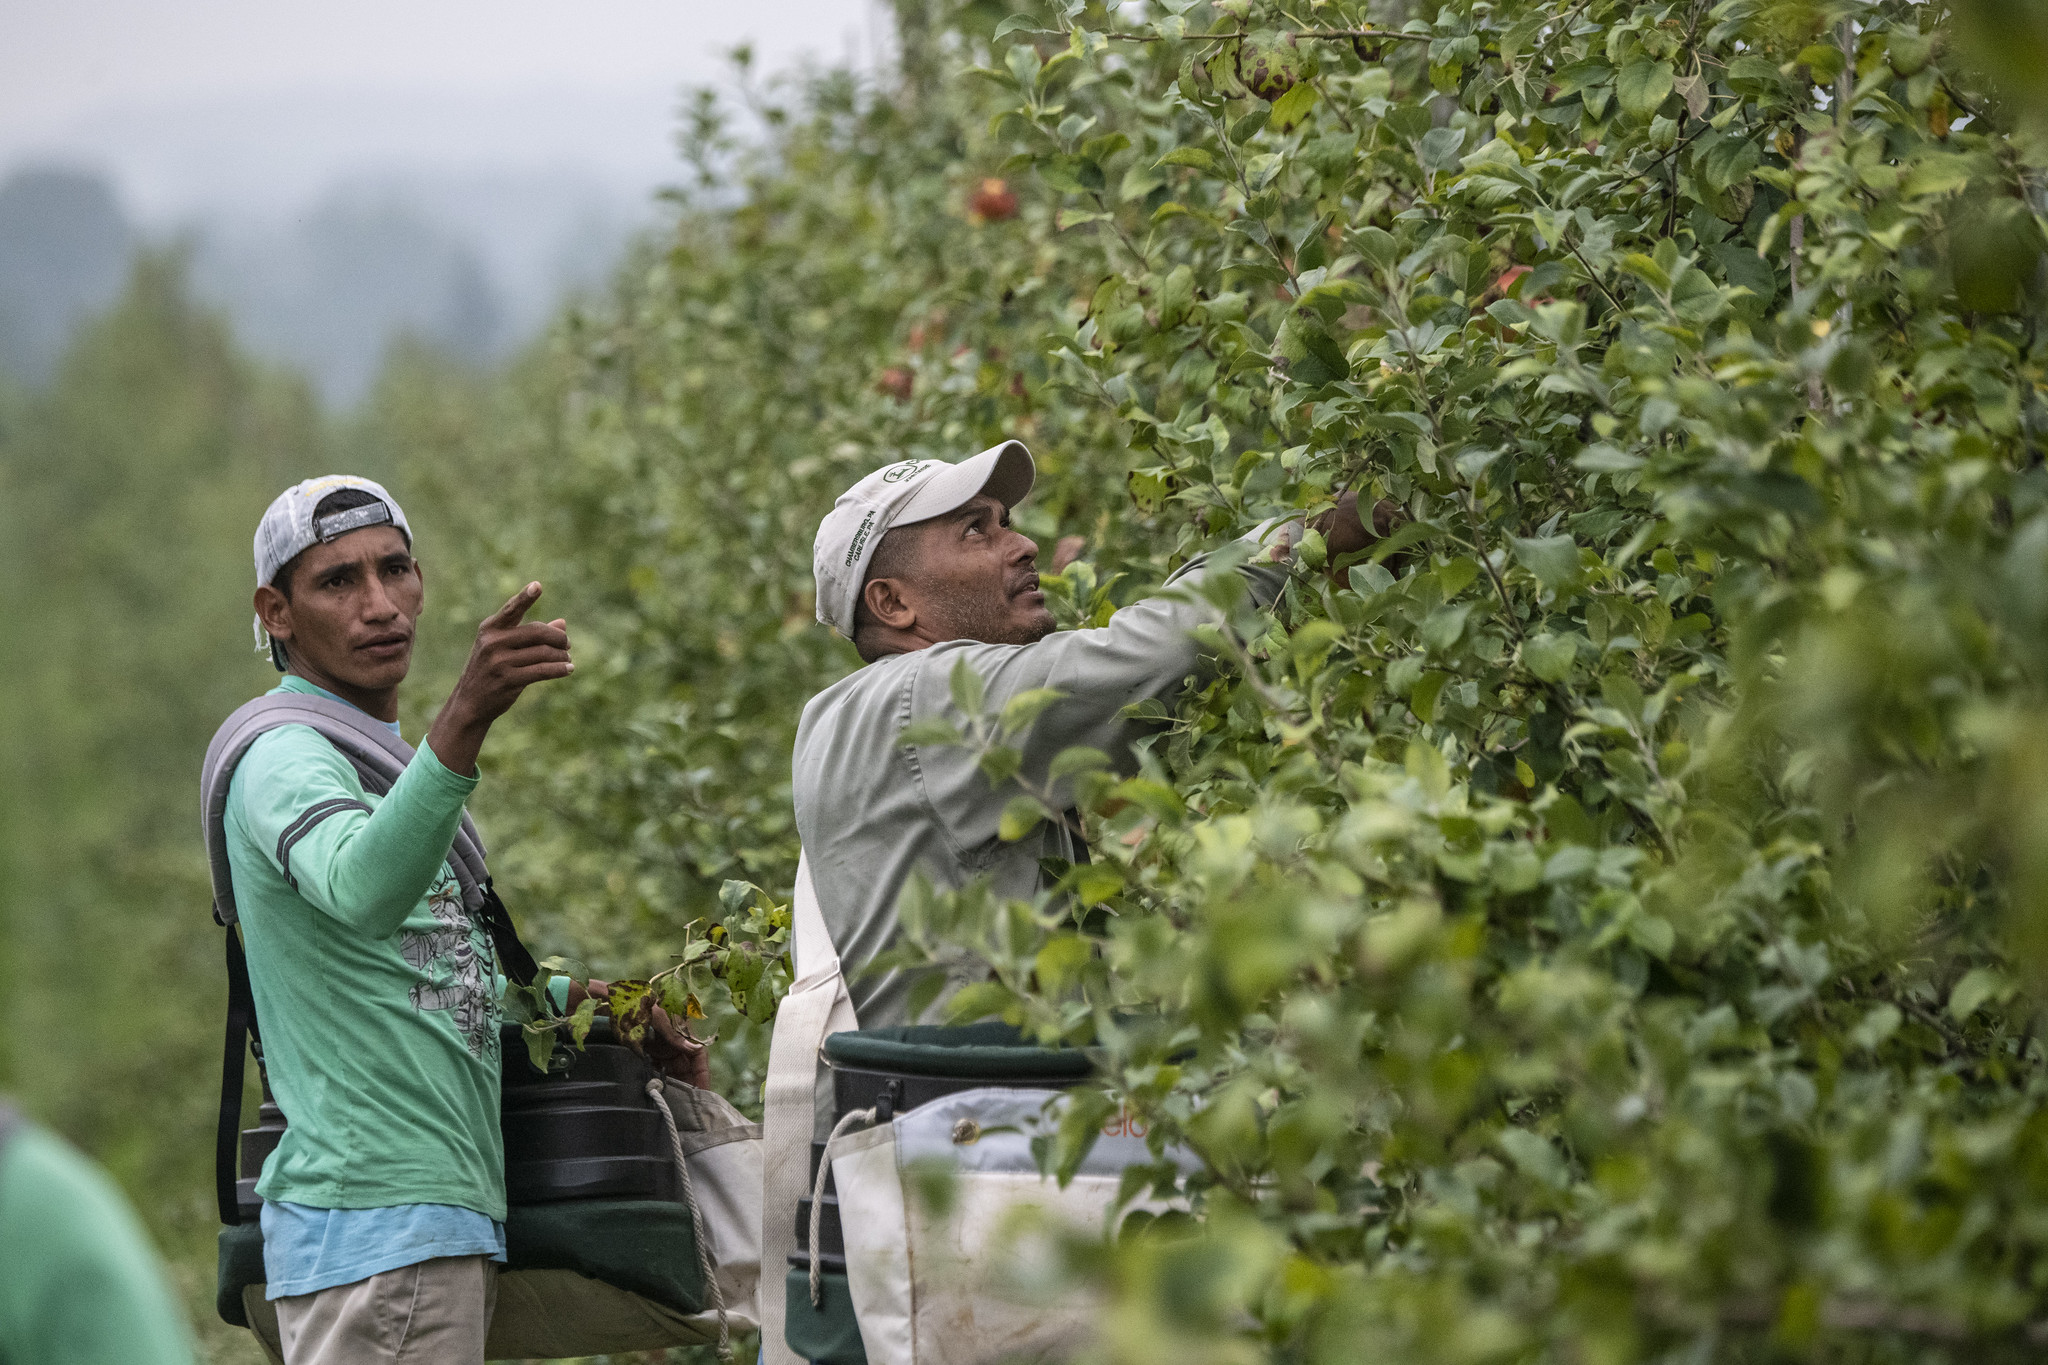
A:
(435, 1313)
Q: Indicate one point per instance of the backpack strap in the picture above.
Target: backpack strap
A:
(378, 756)
(241, 1036)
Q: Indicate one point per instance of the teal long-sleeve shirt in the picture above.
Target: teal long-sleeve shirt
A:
(376, 992)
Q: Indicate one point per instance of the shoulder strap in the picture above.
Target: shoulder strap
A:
(241, 1030)
(378, 757)
(817, 1004)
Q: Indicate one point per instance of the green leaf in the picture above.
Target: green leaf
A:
(540, 1045)
(1605, 459)
(1535, 1156)
(1313, 357)
(1876, 1027)
(675, 997)
(1553, 559)
(1979, 987)
(1641, 87)
(966, 688)
(1291, 108)
(1370, 580)
(1022, 710)
(1101, 149)
(1095, 883)
(1020, 816)
(1422, 700)
(1653, 935)
(1012, 25)
(1060, 962)
(1160, 800)
(1079, 759)
(1550, 657)
(931, 731)
(999, 763)
(1196, 157)
(1404, 535)
(1444, 625)
(978, 1000)
(1376, 245)
(581, 1018)
(1024, 62)
(1438, 150)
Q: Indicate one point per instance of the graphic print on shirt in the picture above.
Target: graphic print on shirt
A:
(455, 959)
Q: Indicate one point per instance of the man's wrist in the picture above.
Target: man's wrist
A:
(457, 737)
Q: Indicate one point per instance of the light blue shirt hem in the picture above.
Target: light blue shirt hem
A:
(306, 1249)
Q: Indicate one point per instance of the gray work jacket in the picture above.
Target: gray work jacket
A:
(871, 810)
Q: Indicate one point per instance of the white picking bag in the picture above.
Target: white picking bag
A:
(925, 1284)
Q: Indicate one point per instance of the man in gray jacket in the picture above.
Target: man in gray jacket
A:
(918, 565)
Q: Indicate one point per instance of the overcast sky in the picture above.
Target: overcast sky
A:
(188, 100)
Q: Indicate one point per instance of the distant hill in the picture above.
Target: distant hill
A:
(329, 292)
(473, 265)
(64, 251)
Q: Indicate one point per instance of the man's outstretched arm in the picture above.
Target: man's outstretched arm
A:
(1145, 652)
(368, 869)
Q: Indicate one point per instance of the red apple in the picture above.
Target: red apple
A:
(993, 201)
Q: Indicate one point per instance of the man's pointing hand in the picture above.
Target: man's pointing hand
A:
(510, 655)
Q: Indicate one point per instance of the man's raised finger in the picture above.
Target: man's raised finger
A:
(516, 606)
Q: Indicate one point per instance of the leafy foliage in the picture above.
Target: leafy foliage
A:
(1602, 922)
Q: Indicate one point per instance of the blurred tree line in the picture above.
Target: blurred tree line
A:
(128, 488)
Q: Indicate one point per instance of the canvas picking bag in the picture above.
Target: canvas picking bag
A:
(921, 1287)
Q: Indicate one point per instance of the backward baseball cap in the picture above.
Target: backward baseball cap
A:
(903, 494)
(289, 528)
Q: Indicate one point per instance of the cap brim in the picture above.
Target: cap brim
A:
(1005, 472)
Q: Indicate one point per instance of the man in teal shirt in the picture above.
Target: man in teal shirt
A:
(375, 988)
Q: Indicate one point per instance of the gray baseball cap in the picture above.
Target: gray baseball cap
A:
(289, 528)
(903, 494)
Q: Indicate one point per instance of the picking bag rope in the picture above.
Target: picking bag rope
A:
(586, 1276)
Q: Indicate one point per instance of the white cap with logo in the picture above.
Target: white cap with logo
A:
(902, 494)
(289, 528)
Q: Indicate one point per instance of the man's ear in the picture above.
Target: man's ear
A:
(274, 610)
(885, 602)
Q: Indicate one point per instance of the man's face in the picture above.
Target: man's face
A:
(353, 605)
(976, 578)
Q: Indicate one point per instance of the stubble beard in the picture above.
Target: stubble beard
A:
(991, 617)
